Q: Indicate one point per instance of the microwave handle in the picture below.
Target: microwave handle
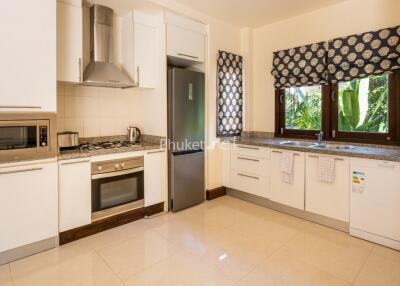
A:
(117, 173)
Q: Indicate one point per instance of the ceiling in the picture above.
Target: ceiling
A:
(255, 13)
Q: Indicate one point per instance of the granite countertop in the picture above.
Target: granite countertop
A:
(75, 154)
(378, 152)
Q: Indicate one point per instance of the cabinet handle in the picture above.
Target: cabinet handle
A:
(155, 152)
(80, 69)
(282, 152)
(20, 171)
(189, 56)
(313, 156)
(246, 147)
(73, 163)
(386, 165)
(247, 176)
(21, 106)
(248, 159)
(138, 75)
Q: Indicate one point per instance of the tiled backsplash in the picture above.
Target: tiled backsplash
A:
(96, 111)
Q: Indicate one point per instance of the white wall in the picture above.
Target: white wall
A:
(343, 19)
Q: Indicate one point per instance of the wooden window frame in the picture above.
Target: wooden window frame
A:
(330, 122)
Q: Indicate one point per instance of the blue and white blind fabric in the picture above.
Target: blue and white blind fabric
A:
(363, 55)
(230, 94)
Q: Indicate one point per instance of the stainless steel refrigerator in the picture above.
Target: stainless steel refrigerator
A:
(186, 138)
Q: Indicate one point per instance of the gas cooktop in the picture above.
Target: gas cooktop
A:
(106, 145)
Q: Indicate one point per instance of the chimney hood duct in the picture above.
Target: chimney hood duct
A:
(101, 71)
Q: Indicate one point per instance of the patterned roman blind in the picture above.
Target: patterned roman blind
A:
(230, 94)
(305, 65)
(363, 55)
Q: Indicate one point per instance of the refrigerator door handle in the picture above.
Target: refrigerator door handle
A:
(178, 153)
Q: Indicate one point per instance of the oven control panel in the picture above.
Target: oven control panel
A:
(117, 165)
(43, 136)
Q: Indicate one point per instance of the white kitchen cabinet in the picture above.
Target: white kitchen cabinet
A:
(29, 204)
(69, 41)
(155, 175)
(75, 207)
(28, 49)
(287, 194)
(375, 201)
(226, 161)
(328, 199)
(250, 183)
(140, 48)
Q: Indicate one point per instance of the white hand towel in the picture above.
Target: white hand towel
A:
(326, 169)
(287, 162)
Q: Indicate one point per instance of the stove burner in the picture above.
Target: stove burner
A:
(106, 145)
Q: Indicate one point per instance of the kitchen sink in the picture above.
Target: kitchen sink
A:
(333, 146)
(297, 143)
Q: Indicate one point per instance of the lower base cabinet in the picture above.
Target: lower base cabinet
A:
(250, 183)
(29, 204)
(284, 193)
(328, 199)
(75, 193)
(155, 177)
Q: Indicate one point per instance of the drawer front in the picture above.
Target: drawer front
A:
(250, 183)
(251, 151)
(253, 165)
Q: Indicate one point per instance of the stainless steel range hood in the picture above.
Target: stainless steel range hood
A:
(101, 71)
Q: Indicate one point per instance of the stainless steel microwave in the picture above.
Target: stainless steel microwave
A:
(27, 137)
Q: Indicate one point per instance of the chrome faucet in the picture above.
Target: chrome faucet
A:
(320, 137)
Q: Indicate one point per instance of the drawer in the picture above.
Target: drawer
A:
(252, 151)
(253, 165)
(250, 183)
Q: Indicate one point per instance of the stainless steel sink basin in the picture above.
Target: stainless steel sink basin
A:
(297, 143)
(333, 146)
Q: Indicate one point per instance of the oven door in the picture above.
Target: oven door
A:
(117, 192)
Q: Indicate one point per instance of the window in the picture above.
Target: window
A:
(303, 107)
(361, 110)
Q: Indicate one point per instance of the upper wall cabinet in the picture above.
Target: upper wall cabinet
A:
(28, 49)
(139, 48)
(69, 41)
(185, 39)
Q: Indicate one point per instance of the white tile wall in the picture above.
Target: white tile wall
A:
(95, 111)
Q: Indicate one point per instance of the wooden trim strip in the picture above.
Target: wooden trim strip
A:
(109, 222)
(215, 193)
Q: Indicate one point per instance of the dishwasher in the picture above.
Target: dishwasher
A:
(375, 201)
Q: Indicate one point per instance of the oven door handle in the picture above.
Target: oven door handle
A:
(117, 173)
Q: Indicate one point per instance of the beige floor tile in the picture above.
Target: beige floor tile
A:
(329, 250)
(381, 269)
(5, 275)
(279, 270)
(85, 270)
(179, 270)
(130, 256)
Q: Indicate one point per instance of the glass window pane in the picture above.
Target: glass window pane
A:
(303, 108)
(363, 105)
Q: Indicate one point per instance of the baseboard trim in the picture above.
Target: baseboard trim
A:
(109, 222)
(28, 250)
(215, 193)
(316, 218)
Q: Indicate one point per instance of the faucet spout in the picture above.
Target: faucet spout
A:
(320, 136)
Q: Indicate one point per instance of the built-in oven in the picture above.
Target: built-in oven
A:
(117, 187)
(24, 137)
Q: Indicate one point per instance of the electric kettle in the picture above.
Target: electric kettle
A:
(134, 134)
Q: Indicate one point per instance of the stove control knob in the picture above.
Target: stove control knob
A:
(122, 165)
(117, 166)
(99, 168)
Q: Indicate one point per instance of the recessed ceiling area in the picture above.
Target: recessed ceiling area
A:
(255, 13)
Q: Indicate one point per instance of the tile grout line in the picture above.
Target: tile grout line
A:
(362, 266)
(109, 267)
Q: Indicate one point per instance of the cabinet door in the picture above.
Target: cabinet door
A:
(328, 199)
(69, 42)
(75, 194)
(28, 49)
(28, 197)
(184, 43)
(226, 163)
(287, 194)
(155, 173)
